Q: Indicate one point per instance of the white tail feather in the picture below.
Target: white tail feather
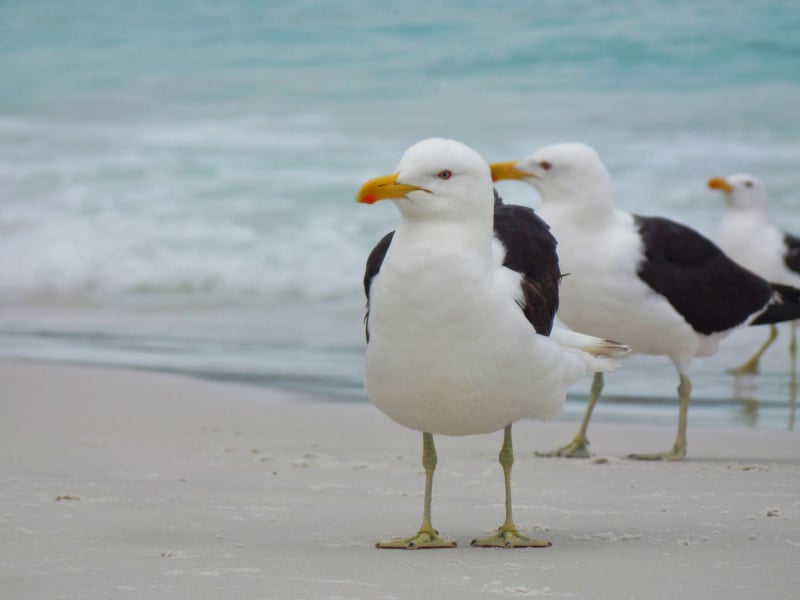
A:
(598, 354)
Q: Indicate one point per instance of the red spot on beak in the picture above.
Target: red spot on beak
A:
(369, 199)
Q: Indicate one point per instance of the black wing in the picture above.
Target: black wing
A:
(374, 262)
(784, 306)
(498, 199)
(531, 251)
(792, 257)
(707, 288)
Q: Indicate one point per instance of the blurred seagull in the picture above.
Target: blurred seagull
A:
(655, 284)
(747, 237)
(460, 306)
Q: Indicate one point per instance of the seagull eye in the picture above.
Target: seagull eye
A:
(444, 174)
(545, 165)
(748, 184)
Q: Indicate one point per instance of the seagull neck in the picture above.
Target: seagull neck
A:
(584, 214)
(473, 236)
(754, 217)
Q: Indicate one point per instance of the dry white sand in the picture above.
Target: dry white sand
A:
(119, 484)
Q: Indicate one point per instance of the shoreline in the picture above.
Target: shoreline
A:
(762, 402)
(146, 485)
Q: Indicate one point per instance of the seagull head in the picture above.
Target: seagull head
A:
(742, 192)
(436, 179)
(567, 172)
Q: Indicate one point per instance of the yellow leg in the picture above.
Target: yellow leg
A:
(678, 451)
(508, 536)
(427, 536)
(750, 366)
(579, 446)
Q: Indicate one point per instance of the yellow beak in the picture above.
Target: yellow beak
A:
(718, 183)
(507, 170)
(381, 188)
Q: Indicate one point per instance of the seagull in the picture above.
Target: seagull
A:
(461, 299)
(656, 285)
(747, 237)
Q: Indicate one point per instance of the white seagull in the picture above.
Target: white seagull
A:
(657, 285)
(747, 236)
(460, 306)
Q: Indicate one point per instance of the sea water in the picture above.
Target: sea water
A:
(177, 178)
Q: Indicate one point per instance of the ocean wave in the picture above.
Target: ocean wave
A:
(221, 164)
(200, 208)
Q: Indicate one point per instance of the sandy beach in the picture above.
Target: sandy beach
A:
(125, 484)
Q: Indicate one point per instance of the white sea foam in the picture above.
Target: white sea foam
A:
(204, 207)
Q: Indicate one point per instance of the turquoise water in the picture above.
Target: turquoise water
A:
(176, 178)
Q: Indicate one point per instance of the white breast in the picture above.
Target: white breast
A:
(450, 350)
(756, 246)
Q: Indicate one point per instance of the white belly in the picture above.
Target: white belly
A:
(632, 315)
(451, 353)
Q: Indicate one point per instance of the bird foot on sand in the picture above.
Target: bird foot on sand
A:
(509, 538)
(423, 539)
(676, 453)
(577, 448)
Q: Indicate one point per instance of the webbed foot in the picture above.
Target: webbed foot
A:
(751, 367)
(577, 448)
(509, 537)
(677, 452)
(423, 539)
